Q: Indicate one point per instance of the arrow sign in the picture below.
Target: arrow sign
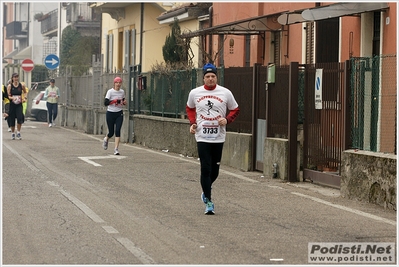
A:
(51, 61)
(89, 159)
(27, 65)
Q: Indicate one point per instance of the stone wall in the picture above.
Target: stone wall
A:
(276, 151)
(91, 121)
(164, 134)
(369, 177)
(173, 135)
(237, 151)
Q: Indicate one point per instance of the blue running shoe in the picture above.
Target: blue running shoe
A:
(19, 136)
(204, 199)
(209, 208)
(13, 136)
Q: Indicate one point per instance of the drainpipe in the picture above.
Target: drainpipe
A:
(210, 36)
(59, 31)
(141, 36)
(28, 75)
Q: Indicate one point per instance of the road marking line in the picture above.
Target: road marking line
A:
(137, 252)
(165, 154)
(52, 183)
(27, 163)
(358, 212)
(129, 245)
(89, 159)
(110, 229)
(86, 210)
(277, 187)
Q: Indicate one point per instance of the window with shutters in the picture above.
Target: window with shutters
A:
(276, 48)
(130, 48)
(327, 40)
(126, 39)
(5, 15)
(221, 52)
(309, 42)
(119, 65)
(109, 48)
(376, 33)
(247, 50)
(132, 45)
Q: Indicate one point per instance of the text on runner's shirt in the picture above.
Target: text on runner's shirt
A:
(210, 96)
(210, 119)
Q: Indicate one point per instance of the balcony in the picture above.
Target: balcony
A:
(49, 24)
(87, 28)
(17, 30)
(115, 10)
(82, 18)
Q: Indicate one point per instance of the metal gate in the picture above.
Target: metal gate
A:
(248, 87)
(326, 121)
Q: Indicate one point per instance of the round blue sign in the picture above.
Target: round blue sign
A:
(51, 61)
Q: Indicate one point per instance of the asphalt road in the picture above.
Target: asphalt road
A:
(66, 200)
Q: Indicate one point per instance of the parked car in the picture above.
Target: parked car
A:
(39, 108)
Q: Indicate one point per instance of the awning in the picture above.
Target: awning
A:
(330, 11)
(9, 56)
(252, 26)
(341, 9)
(290, 18)
(259, 25)
(23, 54)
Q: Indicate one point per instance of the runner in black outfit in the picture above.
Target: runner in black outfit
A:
(14, 91)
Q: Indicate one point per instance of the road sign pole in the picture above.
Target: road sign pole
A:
(29, 80)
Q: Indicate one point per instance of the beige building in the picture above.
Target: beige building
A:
(131, 35)
(192, 17)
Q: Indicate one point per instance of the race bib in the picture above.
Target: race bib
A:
(210, 130)
(16, 99)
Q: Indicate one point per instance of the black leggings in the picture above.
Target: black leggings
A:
(114, 122)
(210, 155)
(15, 113)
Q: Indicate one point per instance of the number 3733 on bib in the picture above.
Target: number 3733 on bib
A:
(210, 130)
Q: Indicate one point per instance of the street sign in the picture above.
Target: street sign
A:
(318, 101)
(51, 61)
(27, 65)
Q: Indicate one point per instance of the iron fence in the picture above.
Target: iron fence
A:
(239, 81)
(166, 94)
(279, 102)
(373, 103)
